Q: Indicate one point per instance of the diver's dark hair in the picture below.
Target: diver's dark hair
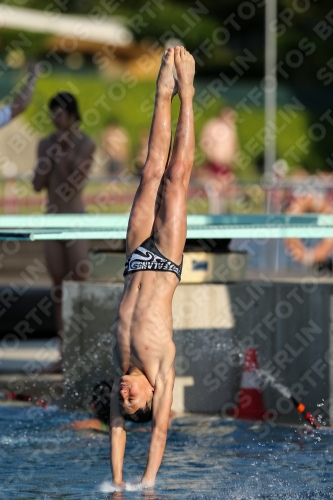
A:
(66, 101)
(141, 415)
(101, 397)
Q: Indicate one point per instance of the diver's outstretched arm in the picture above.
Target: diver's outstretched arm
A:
(117, 437)
(160, 424)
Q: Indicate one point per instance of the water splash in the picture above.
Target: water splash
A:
(282, 389)
(108, 487)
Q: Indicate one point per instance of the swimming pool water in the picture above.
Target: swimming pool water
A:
(207, 458)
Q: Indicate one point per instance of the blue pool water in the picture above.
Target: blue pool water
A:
(206, 458)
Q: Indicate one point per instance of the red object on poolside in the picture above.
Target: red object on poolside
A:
(250, 400)
(24, 397)
(311, 419)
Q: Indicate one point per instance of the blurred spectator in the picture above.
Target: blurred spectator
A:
(63, 163)
(22, 99)
(116, 147)
(100, 406)
(219, 142)
(276, 193)
(299, 179)
(307, 198)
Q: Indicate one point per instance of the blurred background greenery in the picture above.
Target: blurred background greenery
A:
(296, 24)
(129, 113)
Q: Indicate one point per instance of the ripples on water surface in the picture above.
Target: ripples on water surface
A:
(207, 458)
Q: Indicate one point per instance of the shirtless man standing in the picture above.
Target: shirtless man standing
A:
(63, 162)
(144, 350)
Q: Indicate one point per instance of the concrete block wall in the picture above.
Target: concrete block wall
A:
(288, 322)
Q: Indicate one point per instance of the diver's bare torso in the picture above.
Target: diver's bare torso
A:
(144, 323)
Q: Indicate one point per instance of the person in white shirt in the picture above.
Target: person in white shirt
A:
(22, 99)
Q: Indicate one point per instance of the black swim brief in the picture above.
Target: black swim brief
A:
(147, 257)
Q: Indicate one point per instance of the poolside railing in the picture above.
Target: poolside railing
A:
(115, 195)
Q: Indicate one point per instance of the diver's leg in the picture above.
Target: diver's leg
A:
(170, 224)
(143, 211)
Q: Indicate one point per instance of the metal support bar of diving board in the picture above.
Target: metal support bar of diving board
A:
(120, 221)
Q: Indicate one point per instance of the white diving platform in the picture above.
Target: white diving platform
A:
(111, 226)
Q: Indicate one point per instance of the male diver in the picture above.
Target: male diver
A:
(144, 350)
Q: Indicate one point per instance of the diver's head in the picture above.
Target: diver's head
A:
(135, 395)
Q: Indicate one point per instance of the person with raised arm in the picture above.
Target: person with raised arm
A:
(23, 98)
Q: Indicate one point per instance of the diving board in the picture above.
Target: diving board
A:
(112, 226)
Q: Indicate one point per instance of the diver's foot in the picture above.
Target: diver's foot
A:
(185, 67)
(166, 83)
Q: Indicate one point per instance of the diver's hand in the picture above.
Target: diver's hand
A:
(118, 484)
(145, 483)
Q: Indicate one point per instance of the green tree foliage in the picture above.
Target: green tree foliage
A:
(32, 45)
(131, 107)
(219, 32)
(139, 100)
